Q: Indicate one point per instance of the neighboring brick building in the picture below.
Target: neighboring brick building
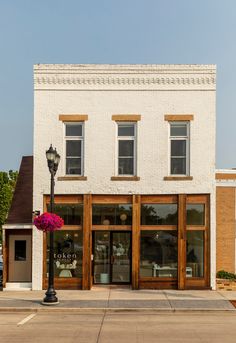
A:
(225, 220)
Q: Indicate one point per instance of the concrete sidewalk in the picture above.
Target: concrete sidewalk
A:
(114, 299)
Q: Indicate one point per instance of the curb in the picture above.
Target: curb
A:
(112, 310)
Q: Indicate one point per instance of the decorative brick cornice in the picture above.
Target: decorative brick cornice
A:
(43, 80)
(124, 77)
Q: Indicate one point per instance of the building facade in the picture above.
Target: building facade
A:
(136, 181)
(226, 220)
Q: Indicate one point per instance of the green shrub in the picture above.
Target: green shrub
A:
(222, 274)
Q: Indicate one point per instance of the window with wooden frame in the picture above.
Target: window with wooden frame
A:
(126, 148)
(74, 148)
(68, 241)
(197, 237)
(159, 237)
(179, 148)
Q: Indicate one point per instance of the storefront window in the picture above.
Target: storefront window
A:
(112, 214)
(159, 214)
(195, 214)
(68, 251)
(72, 214)
(195, 254)
(159, 254)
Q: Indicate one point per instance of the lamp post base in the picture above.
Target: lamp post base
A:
(50, 298)
(50, 304)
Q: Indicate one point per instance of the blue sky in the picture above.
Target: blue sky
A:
(112, 31)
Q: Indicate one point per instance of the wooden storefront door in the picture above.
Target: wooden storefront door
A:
(111, 257)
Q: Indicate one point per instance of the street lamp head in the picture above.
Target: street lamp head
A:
(56, 161)
(51, 154)
(57, 158)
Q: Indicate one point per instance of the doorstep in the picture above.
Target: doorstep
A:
(18, 286)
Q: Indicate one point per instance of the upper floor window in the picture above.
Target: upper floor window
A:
(74, 139)
(126, 148)
(179, 148)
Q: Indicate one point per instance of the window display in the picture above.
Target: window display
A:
(68, 252)
(159, 254)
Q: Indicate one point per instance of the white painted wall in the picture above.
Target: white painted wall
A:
(103, 90)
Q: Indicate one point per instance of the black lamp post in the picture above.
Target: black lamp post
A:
(53, 159)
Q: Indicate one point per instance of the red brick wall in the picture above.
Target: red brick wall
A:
(225, 229)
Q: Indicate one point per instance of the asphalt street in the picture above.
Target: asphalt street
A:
(122, 327)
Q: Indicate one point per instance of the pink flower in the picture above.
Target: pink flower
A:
(48, 222)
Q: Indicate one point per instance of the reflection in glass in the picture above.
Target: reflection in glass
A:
(101, 257)
(195, 254)
(126, 166)
(72, 214)
(159, 254)
(120, 258)
(195, 214)
(68, 251)
(111, 257)
(112, 214)
(159, 214)
(73, 148)
(178, 129)
(73, 166)
(73, 130)
(125, 130)
(178, 148)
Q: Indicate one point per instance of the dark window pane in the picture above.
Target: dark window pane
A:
(178, 148)
(159, 254)
(159, 214)
(178, 166)
(195, 254)
(178, 130)
(126, 148)
(68, 252)
(20, 250)
(73, 166)
(73, 148)
(113, 214)
(195, 214)
(73, 130)
(72, 214)
(126, 166)
(126, 130)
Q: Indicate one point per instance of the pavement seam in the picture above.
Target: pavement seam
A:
(169, 302)
(101, 325)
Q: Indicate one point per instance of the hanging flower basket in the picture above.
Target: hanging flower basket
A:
(48, 222)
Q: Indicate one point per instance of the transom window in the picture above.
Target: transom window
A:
(179, 148)
(126, 148)
(74, 139)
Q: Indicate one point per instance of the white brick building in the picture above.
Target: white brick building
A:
(136, 178)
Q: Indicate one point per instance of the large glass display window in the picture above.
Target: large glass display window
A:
(159, 253)
(72, 214)
(112, 214)
(159, 214)
(68, 252)
(195, 214)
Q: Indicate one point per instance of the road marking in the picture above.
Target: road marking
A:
(25, 320)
